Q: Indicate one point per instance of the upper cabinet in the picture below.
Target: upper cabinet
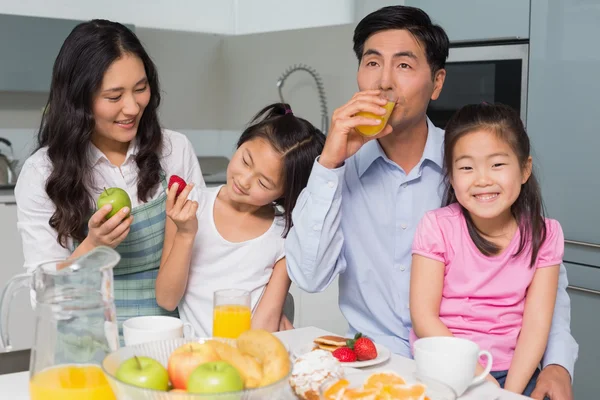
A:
(467, 19)
(29, 46)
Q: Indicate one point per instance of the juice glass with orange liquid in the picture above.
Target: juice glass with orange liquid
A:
(372, 130)
(76, 326)
(231, 313)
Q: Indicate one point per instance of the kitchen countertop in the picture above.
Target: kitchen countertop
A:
(15, 386)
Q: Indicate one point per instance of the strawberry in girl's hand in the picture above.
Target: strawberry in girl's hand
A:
(363, 347)
(180, 182)
(344, 354)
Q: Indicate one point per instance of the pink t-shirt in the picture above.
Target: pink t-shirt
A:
(483, 297)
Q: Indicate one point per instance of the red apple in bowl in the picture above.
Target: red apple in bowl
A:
(215, 377)
(184, 360)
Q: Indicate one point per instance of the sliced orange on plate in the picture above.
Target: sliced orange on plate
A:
(378, 386)
(383, 379)
(334, 391)
(360, 393)
(402, 392)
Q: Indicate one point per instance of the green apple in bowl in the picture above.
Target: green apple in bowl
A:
(116, 197)
(215, 377)
(144, 372)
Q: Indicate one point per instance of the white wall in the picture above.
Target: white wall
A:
(253, 16)
(214, 16)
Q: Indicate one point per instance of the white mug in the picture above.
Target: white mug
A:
(450, 360)
(156, 327)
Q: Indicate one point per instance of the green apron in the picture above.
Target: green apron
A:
(135, 275)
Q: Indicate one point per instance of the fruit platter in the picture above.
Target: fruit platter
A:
(254, 366)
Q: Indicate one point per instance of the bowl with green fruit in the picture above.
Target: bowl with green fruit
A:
(255, 366)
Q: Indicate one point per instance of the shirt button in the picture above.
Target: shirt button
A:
(403, 225)
(316, 227)
(404, 185)
(402, 268)
(330, 184)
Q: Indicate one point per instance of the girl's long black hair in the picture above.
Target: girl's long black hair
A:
(297, 140)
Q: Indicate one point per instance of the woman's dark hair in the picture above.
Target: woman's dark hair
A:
(67, 126)
(528, 209)
(297, 140)
(414, 20)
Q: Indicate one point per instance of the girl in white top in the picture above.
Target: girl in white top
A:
(101, 129)
(232, 236)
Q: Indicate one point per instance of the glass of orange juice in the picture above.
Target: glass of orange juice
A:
(231, 313)
(372, 130)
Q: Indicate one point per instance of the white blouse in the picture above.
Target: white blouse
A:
(34, 208)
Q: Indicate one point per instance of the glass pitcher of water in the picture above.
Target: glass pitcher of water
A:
(75, 327)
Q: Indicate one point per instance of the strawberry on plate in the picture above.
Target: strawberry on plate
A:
(344, 354)
(363, 347)
(180, 182)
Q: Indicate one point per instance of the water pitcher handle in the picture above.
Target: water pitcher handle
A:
(13, 286)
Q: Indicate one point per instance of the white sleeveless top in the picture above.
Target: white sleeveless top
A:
(220, 264)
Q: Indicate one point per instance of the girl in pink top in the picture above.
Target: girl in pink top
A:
(485, 267)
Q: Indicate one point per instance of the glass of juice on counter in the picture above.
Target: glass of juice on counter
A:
(372, 130)
(232, 315)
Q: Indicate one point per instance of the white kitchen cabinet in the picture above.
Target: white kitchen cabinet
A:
(21, 321)
(478, 19)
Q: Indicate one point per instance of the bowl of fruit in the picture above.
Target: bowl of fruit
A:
(255, 366)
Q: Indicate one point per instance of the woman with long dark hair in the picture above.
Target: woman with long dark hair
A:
(101, 130)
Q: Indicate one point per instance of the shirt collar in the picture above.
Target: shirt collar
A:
(433, 150)
(95, 155)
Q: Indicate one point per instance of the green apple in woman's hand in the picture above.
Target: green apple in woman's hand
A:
(116, 197)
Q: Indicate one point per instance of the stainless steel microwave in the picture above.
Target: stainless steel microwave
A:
(494, 72)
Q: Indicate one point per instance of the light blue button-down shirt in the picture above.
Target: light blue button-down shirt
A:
(358, 221)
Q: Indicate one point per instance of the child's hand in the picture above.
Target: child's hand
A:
(181, 210)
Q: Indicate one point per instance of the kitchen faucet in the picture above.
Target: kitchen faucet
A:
(320, 89)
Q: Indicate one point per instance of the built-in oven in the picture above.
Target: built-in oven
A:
(494, 72)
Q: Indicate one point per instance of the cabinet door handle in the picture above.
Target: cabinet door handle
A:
(584, 290)
(9, 203)
(584, 244)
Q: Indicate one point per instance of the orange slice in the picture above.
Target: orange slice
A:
(383, 379)
(403, 392)
(336, 389)
(362, 394)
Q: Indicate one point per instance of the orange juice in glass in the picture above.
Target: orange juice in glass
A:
(372, 130)
(231, 313)
(70, 382)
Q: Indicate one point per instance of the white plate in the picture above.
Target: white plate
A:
(383, 354)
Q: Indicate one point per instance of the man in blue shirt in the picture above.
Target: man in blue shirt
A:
(358, 214)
